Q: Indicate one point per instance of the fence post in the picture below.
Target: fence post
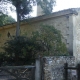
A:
(33, 73)
(38, 69)
(42, 69)
(78, 72)
(66, 71)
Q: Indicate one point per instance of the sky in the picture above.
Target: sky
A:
(65, 4)
(60, 5)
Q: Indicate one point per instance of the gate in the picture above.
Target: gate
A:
(76, 72)
(17, 73)
(22, 72)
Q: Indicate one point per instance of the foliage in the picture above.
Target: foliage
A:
(2, 58)
(5, 19)
(51, 40)
(21, 49)
(13, 48)
(24, 7)
(0, 34)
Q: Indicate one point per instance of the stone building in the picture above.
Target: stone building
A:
(67, 21)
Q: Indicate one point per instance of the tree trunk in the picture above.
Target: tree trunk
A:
(18, 23)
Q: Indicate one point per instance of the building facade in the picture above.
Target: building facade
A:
(67, 21)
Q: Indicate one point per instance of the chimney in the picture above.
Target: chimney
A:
(39, 11)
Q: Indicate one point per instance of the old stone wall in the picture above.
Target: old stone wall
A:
(54, 66)
(60, 20)
(76, 36)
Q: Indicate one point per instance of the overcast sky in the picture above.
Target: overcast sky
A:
(65, 4)
(60, 5)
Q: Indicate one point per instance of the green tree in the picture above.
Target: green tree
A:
(47, 41)
(5, 19)
(51, 40)
(21, 50)
(24, 7)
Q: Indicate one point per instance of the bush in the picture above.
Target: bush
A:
(51, 40)
(23, 50)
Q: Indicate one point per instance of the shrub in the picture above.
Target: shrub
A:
(23, 50)
(51, 39)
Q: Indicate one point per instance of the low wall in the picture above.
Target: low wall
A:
(54, 66)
